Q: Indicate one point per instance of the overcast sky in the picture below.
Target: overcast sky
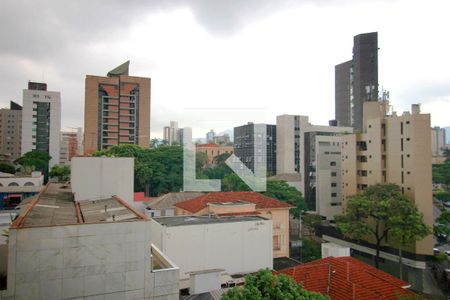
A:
(218, 64)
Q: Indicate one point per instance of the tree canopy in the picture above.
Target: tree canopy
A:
(37, 159)
(61, 172)
(157, 170)
(265, 285)
(379, 211)
(7, 168)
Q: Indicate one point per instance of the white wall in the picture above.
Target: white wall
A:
(236, 247)
(37, 181)
(102, 177)
(109, 260)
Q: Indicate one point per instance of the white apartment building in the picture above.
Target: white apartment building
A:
(41, 121)
(312, 151)
(172, 134)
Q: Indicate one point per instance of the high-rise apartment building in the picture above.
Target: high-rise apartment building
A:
(11, 131)
(438, 138)
(117, 110)
(392, 149)
(356, 81)
(244, 146)
(172, 134)
(41, 120)
(71, 145)
(313, 152)
(210, 135)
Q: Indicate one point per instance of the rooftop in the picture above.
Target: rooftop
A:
(199, 220)
(170, 199)
(347, 278)
(262, 202)
(55, 206)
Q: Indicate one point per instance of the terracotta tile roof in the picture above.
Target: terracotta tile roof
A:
(262, 202)
(140, 196)
(346, 278)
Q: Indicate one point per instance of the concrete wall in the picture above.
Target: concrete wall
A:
(107, 261)
(238, 247)
(102, 177)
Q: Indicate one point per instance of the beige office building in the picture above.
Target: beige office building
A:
(392, 149)
(11, 131)
(117, 110)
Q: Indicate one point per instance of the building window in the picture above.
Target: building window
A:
(333, 163)
(333, 184)
(333, 174)
(333, 195)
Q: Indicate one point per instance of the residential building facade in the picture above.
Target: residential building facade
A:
(356, 81)
(244, 147)
(213, 150)
(117, 110)
(41, 121)
(11, 131)
(244, 204)
(313, 152)
(392, 149)
(438, 138)
(71, 145)
(235, 245)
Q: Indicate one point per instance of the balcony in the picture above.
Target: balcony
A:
(164, 277)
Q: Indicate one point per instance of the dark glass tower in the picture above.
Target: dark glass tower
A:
(244, 146)
(356, 81)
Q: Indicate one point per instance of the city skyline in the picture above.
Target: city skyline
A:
(226, 58)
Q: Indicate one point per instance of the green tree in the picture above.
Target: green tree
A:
(310, 250)
(280, 190)
(62, 172)
(407, 228)
(265, 285)
(375, 212)
(34, 160)
(311, 221)
(157, 171)
(441, 173)
(201, 160)
(7, 168)
(233, 183)
(442, 229)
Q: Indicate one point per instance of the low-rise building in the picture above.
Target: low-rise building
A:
(15, 188)
(164, 206)
(60, 248)
(213, 150)
(244, 204)
(236, 245)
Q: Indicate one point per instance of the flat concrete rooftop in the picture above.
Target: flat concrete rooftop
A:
(198, 220)
(55, 206)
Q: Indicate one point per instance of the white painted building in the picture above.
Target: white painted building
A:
(100, 249)
(327, 165)
(298, 151)
(238, 245)
(99, 177)
(41, 121)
